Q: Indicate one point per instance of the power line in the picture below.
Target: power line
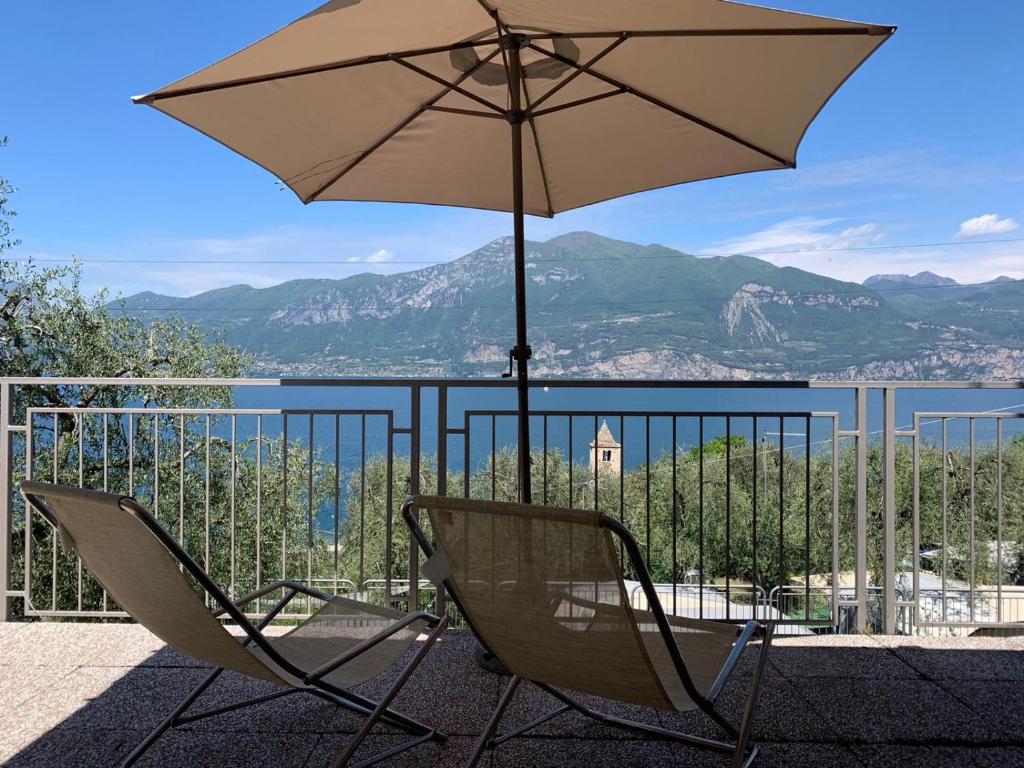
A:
(572, 260)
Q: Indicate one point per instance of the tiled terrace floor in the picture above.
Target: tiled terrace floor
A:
(82, 695)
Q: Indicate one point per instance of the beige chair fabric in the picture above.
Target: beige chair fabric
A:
(138, 572)
(338, 627)
(328, 107)
(544, 589)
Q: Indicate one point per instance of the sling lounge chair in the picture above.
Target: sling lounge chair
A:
(147, 572)
(542, 589)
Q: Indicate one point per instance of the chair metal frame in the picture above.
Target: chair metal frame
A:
(312, 680)
(743, 751)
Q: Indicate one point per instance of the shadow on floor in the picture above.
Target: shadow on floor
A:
(826, 701)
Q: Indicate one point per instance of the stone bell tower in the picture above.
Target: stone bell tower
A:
(605, 453)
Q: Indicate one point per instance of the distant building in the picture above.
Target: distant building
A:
(605, 453)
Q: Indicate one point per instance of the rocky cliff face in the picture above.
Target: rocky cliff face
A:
(604, 308)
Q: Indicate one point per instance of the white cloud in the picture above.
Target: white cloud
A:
(804, 233)
(821, 246)
(380, 257)
(986, 225)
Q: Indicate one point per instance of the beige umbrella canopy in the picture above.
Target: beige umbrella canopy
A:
(535, 106)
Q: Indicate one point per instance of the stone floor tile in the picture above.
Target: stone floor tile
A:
(782, 714)
(451, 754)
(902, 756)
(892, 711)
(230, 749)
(859, 657)
(999, 703)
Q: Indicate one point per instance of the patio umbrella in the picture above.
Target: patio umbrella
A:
(528, 106)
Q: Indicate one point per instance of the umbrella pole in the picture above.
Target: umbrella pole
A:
(521, 352)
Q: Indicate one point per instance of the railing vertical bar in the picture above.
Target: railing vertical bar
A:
(728, 516)
(206, 504)
(622, 484)
(309, 511)
(29, 449)
(807, 519)
(782, 509)
(284, 496)
(545, 460)
(700, 510)
(362, 500)
(233, 582)
(106, 452)
(6, 507)
(753, 518)
(53, 534)
(596, 459)
(415, 427)
(945, 519)
(106, 468)
(494, 456)
(889, 507)
(337, 500)
(835, 520)
(972, 513)
(999, 520)
(675, 519)
(259, 500)
(131, 454)
(916, 512)
(571, 462)
(442, 443)
(388, 511)
(465, 455)
(309, 497)
(647, 494)
(80, 420)
(156, 465)
(181, 480)
(861, 496)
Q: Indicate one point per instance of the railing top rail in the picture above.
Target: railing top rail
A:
(142, 411)
(503, 383)
(968, 415)
(711, 414)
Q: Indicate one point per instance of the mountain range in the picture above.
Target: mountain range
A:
(603, 307)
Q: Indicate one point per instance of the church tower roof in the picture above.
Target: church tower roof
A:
(605, 439)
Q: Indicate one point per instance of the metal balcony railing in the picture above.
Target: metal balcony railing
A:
(827, 506)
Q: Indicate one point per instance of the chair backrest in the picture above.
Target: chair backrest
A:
(118, 543)
(543, 589)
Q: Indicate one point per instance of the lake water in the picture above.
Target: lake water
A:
(347, 438)
(609, 403)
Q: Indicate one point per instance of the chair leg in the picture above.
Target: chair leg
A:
(492, 724)
(171, 719)
(382, 705)
(740, 758)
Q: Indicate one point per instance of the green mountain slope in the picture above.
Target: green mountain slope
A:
(599, 306)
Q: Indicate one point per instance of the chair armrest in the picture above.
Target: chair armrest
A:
(294, 586)
(750, 630)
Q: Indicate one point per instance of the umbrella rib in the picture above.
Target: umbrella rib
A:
(451, 86)
(314, 70)
(468, 112)
(670, 108)
(578, 102)
(742, 32)
(394, 131)
(536, 146)
(581, 70)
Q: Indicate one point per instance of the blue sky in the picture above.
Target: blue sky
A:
(922, 146)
